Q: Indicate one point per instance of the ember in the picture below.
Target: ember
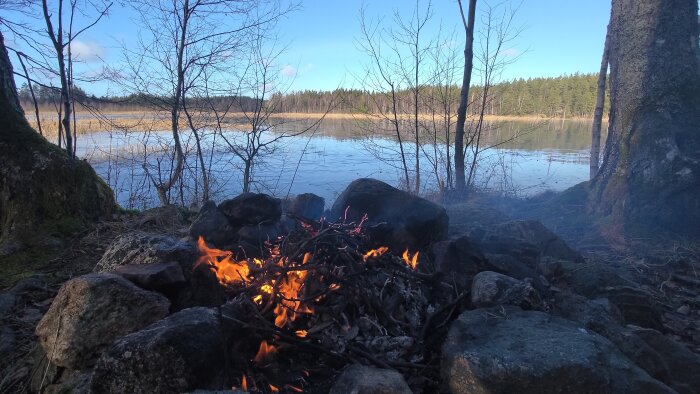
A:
(410, 261)
(323, 296)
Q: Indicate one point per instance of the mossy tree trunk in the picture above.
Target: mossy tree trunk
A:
(599, 104)
(43, 191)
(649, 182)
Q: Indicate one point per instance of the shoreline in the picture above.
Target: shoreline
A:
(139, 120)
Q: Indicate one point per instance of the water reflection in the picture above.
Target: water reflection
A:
(523, 158)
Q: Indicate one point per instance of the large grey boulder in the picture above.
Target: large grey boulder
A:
(492, 289)
(681, 366)
(535, 233)
(402, 220)
(357, 379)
(458, 260)
(181, 353)
(212, 225)
(308, 206)
(145, 248)
(250, 209)
(90, 312)
(165, 278)
(613, 281)
(508, 350)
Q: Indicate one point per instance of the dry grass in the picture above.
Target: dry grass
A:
(154, 121)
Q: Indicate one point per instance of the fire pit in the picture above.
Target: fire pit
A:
(264, 298)
(325, 296)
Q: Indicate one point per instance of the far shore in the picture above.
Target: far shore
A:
(139, 120)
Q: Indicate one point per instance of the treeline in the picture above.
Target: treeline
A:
(50, 97)
(565, 96)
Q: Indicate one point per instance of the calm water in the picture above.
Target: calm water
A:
(524, 158)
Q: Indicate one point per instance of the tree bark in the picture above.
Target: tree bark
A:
(7, 80)
(43, 191)
(599, 104)
(649, 181)
(460, 176)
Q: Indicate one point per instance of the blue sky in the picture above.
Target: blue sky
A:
(558, 37)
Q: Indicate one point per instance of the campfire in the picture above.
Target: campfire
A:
(324, 296)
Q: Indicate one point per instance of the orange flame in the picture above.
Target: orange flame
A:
(289, 305)
(302, 333)
(244, 383)
(294, 388)
(410, 261)
(375, 253)
(228, 271)
(265, 352)
(307, 258)
(273, 388)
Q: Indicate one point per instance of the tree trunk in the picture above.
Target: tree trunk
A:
(7, 81)
(599, 104)
(460, 176)
(43, 191)
(649, 181)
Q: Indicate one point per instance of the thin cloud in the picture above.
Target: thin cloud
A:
(289, 71)
(510, 52)
(87, 51)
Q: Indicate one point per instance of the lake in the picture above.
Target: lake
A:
(521, 158)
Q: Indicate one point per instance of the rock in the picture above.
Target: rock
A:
(368, 380)
(7, 302)
(30, 285)
(146, 248)
(682, 366)
(589, 278)
(164, 217)
(90, 312)
(203, 289)
(256, 236)
(507, 350)
(212, 225)
(458, 260)
(683, 309)
(473, 214)
(535, 233)
(603, 318)
(523, 252)
(252, 209)
(508, 265)
(164, 278)
(401, 219)
(494, 289)
(31, 316)
(308, 206)
(637, 306)
(74, 382)
(8, 339)
(11, 246)
(181, 353)
(44, 372)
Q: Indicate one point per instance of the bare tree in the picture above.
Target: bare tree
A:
(498, 31)
(460, 176)
(61, 39)
(181, 42)
(398, 67)
(410, 34)
(380, 75)
(261, 132)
